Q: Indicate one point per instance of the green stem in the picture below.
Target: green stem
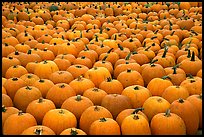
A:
(137, 110)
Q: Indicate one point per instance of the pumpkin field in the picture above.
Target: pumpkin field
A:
(102, 68)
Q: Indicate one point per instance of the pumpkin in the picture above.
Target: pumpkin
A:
(77, 70)
(157, 90)
(79, 102)
(12, 85)
(61, 77)
(91, 114)
(154, 105)
(6, 101)
(62, 63)
(59, 93)
(195, 63)
(104, 126)
(45, 68)
(135, 124)
(62, 120)
(43, 85)
(15, 71)
(193, 85)
(29, 78)
(95, 95)
(196, 100)
(137, 94)
(173, 125)
(24, 96)
(73, 131)
(81, 84)
(151, 67)
(126, 78)
(173, 93)
(184, 109)
(127, 112)
(39, 107)
(97, 75)
(111, 86)
(20, 120)
(176, 75)
(116, 103)
(6, 112)
(7, 63)
(38, 130)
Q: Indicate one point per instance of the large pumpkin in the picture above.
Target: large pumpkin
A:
(15, 124)
(59, 120)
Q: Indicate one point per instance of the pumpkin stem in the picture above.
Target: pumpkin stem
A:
(172, 33)
(61, 111)
(43, 42)
(38, 131)
(95, 89)
(102, 119)
(110, 50)
(119, 46)
(73, 132)
(152, 62)
(62, 86)
(189, 54)
(78, 66)
(147, 48)
(165, 77)
(131, 40)
(87, 48)
(96, 108)
(165, 51)
(136, 88)
(137, 110)
(14, 79)
(181, 100)
(153, 37)
(103, 60)
(167, 113)
(193, 56)
(135, 117)
(29, 76)
(129, 70)
(134, 52)
(3, 108)
(20, 112)
(79, 78)
(155, 32)
(109, 79)
(45, 62)
(40, 100)
(128, 56)
(78, 98)
(28, 88)
(41, 80)
(115, 37)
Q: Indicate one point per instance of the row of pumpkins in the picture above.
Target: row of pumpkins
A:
(101, 68)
